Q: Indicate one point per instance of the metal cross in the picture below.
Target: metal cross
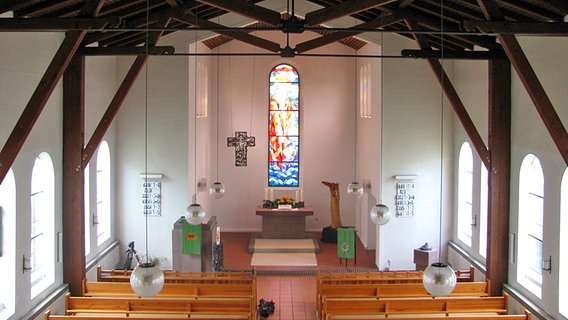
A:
(240, 141)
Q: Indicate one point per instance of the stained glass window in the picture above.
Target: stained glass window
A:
(284, 127)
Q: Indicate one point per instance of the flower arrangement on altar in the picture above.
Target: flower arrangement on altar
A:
(285, 199)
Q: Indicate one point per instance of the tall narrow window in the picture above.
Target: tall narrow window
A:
(8, 245)
(483, 209)
(531, 207)
(103, 193)
(42, 255)
(465, 193)
(87, 204)
(284, 127)
(563, 281)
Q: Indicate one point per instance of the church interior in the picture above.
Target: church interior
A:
(118, 116)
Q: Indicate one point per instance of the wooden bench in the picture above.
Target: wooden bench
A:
(388, 290)
(336, 307)
(403, 276)
(117, 275)
(194, 290)
(526, 316)
(166, 307)
(49, 316)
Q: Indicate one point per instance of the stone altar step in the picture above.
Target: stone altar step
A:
(262, 245)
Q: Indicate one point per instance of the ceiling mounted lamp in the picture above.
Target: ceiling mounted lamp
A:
(147, 280)
(194, 213)
(355, 189)
(380, 214)
(217, 190)
(439, 279)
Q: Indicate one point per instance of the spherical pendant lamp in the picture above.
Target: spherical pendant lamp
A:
(194, 213)
(439, 279)
(147, 280)
(217, 190)
(380, 214)
(356, 189)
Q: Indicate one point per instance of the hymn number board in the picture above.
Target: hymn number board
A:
(151, 197)
(405, 199)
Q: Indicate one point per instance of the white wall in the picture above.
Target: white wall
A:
(412, 145)
(167, 149)
(528, 135)
(25, 57)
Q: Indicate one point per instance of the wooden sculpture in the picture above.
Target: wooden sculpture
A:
(334, 203)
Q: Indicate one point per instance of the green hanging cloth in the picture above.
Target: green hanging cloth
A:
(346, 243)
(191, 238)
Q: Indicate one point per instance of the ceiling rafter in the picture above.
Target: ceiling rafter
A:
(342, 9)
(247, 9)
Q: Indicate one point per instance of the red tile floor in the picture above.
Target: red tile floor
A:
(293, 290)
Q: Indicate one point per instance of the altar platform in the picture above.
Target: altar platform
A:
(284, 230)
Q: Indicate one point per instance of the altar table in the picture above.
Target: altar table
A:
(284, 223)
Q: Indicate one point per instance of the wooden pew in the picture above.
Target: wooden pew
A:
(117, 275)
(403, 276)
(170, 290)
(394, 290)
(165, 307)
(336, 307)
(526, 316)
(48, 316)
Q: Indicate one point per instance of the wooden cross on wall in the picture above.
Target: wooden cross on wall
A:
(240, 141)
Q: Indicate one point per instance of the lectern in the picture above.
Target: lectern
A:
(194, 262)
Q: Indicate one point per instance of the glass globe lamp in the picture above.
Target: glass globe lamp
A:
(217, 190)
(147, 280)
(380, 214)
(439, 279)
(194, 213)
(355, 188)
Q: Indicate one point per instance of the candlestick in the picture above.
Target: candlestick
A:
(271, 194)
(302, 195)
(297, 195)
(265, 193)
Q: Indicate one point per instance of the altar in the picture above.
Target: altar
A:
(284, 223)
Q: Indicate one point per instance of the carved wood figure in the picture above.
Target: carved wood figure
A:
(334, 203)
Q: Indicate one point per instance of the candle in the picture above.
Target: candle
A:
(265, 193)
(297, 195)
(218, 236)
(271, 194)
(302, 195)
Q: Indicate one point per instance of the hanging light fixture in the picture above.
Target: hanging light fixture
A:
(195, 212)
(217, 189)
(439, 279)
(380, 214)
(147, 279)
(355, 188)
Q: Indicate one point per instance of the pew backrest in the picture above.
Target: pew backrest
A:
(159, 306)
(392, 306)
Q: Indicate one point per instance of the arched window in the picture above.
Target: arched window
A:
(42, 250)
(103, 193)
(87, 204)
(8, 245)
(483, 209)
(465, 193)
(563, 281)
(284, 127)
(531, 207)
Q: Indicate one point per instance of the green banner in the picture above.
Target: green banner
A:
(191, 238)
(346, 243)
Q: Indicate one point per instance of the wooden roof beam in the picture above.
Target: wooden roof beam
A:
(55, 24)
(453, 97)
(247, 9)
(529, 79)
(524, 28)
(191, 19)
(118, 99)
(342, 9)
